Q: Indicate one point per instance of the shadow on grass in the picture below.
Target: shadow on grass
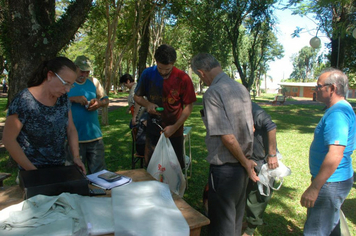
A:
(349, 209)
(301, 118)
(278, 223)
(349, 206)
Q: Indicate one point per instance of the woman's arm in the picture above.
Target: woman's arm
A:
(73, 142)
(12, 129)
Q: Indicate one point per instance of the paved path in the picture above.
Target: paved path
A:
(297, 101)
(115, 103)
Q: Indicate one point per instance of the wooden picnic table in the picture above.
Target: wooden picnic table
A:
(13, 195)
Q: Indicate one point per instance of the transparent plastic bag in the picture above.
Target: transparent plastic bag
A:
(164, 166)
(270, 177)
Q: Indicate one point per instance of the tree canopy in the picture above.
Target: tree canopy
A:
(304, 64)
(337, 19)
(31, 32)
(120, 36)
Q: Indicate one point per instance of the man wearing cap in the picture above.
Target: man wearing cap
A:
(87, 96)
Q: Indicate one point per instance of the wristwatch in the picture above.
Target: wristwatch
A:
(80, 157)
(274, 155)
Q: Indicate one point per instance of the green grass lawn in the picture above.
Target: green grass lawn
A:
(284, 215)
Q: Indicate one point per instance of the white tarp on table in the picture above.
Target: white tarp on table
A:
(98, 215)
(147, 209)
(143, 208)
(44, 215)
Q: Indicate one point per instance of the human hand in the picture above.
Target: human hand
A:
(133, 122)
(272, 162)
(82, 100)
(309, 197)
(169, 131)
(151, 108)
(80, 164)
(250, 168)
(94, 105)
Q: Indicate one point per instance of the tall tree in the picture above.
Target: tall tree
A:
(31, 33)
(233, 14)
(269, 49)
(304, 63)
(145, 38)
(3, 63)
(263, 47)
(112, 10)
(336, 19)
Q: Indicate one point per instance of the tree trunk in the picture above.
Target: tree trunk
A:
(112, 26)
(104, 114)
(145, 41)
(337, 52)
(31, 34)
(157, 32)
(136, 38)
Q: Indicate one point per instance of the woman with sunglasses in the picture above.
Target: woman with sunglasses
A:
(39, 118)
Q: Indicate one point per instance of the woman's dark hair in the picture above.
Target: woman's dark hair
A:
(54, 65)
(124, 78)
(165, 54)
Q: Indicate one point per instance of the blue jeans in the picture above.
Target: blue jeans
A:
(325, 215)
(227, 199)
(93, 155)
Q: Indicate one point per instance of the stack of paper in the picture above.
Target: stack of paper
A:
(95, 180)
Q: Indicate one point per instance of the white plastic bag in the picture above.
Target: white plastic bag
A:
(164, 166)
(269, 176)
(343, 225)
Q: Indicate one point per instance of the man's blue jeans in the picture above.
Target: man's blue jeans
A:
(325, 215)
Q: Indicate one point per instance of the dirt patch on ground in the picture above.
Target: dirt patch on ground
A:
(115, 103)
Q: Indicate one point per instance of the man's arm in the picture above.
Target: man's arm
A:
(272, 159)
(171, 129)
(136, 110)
(233, 146)
(328, 167)
(150, 107)
(82, 100)
(97, 103)
(263, 122)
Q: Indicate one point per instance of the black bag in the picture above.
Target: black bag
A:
(141, 138)
(53, 181)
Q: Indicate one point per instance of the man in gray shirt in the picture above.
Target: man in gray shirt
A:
(227, 116)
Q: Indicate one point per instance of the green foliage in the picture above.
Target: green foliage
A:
(207, 32)
(352, 80)
(176, 36)
(304, 63)
(337, 20)
(236, 35)
(256, 19)
(264, 47)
